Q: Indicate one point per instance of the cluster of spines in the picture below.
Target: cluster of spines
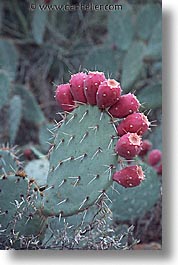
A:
(9, 160)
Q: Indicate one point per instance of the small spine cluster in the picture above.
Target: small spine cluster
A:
(93, 88)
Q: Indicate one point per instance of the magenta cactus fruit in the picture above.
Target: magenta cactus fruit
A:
(154, 157)
(92, 82)
(108, 93)
(28, 154)
(158, 169)
(129, 177)
(64, 97)
(145, 147)
(128, 145)
(126, 105)
(134, 123)
(77, 87)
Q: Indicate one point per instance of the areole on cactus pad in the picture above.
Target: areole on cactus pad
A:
(87, 145)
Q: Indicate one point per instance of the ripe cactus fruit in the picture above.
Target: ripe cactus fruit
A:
(92, 82)
(158, 169)
(128, 145)
(130, 176)
(133, 123)
(126, 105)
(64, 97)
(28, 154)
(108, 93)
(77, 87)
(154, 157)
(145, 147)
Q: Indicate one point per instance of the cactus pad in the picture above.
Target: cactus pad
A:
(81, 163)
(18, 214)
(9, 162)
(37, 169)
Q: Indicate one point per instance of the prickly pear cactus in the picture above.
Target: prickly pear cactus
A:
(100, 132)
(90, 143)
(81, 162)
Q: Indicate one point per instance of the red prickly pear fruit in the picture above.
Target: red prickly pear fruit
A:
(126, 105)
(77, 87)
(134, 123)
(145, 147)
(92, 82)
(28, 154)
(158, 169)
(64, 97)
(129, 177)
(47, 1)
(128, 145)
(114, 47)
(154, 157)
(108, 93)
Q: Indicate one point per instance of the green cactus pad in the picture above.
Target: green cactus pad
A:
(8, 57)
(9, 162)
(15, 115)
(91, 229)
(71, 226)
(37, 169)
(4, 87)
(81, 162)
(18, 214)
(12, 191)
(131, 203)
(45, 136)
(31, 110)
